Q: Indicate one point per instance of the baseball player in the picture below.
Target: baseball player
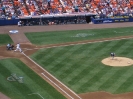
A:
(18, 47)
(112, 55)
(8, 46)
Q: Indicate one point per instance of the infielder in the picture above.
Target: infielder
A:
(112, 55)
(18, 47)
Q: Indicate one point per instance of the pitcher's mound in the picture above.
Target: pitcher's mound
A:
(118, 61)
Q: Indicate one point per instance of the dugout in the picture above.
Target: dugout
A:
(57, 19)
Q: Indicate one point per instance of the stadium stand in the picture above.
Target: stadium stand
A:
(108, 8)
(102, 9)
(7, 9)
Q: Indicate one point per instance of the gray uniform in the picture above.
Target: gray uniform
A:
(112, 55)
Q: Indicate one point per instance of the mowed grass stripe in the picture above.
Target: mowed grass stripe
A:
(118, 51)
(62, 60)
(126, 84)
(122, 80)
(62, 53)
(59, 62)
(38, 84)
(117, 45)
(32, 82)
(76, 57)
(47, 57)
(102, 79)
(5, 39)
(56, 37)
(54, 56)
(19, 70)
(12, 86)
(112, 79)
(81, 70)
(85, 66)
(44, 54)
(123, 46)
(15, 93)
(94, 78)
(80, 75)
(102, 53)
(78, 66)
(130, 88)
(114, 46)
(127, 50)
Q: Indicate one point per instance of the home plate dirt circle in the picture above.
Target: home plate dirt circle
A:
(117, 61)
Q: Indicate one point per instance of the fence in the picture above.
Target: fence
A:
(112, 20)
(4, 21)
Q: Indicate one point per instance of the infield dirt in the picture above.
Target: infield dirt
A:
(117, 61)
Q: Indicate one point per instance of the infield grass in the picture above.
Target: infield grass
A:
(32, 86)
(5, 39)
(43, 38)
(80, 67)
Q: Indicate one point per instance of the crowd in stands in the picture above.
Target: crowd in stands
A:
(114, 8)
(103, 8)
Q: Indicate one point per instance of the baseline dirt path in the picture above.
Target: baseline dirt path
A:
(19, 38)
(25, 44)
(2, 96)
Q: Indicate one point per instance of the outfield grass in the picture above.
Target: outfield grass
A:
(76, 35)
(5, 39)
(80, 67)
(32, 82)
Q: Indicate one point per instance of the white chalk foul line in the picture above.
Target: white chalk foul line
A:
(52, 77)
(57, 86)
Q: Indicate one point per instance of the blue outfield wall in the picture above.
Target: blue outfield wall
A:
(112, 20)
(8, 22)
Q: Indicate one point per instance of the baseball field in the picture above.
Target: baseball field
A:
(68, 64)
(79, 66)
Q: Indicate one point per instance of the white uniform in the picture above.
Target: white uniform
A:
(19, 23)
(18, 47)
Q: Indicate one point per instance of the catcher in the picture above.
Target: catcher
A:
(10, 47)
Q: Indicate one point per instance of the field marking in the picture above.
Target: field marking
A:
(57, 86)
(78, 43)
(52, 76)
(37, 94)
